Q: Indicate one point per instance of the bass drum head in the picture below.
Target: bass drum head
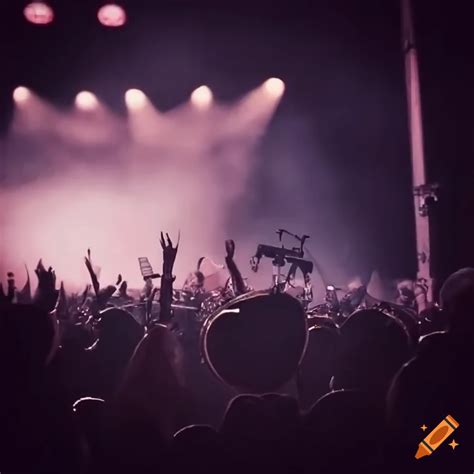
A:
(255, 342)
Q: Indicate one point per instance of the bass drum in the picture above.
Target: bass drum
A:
(406, 318)
(256, 341)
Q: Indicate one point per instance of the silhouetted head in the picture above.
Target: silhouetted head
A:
(27, 338)
(457, 299)
(195, 436)
(118, 330)
(265, 418)
(153, 387)
(196, 448)
(244, 418)
(158, 354)
(89, 413)
(282, 415)
(342, 429)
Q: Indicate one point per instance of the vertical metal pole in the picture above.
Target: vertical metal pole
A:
(421, 191)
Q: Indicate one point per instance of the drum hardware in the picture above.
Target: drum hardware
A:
(182, 306)
(320, 310)
(331, 299)
(301, 240)
(280, 257)
(330, 308)
(338, 310)
(352, 301)
(277, 254)
(146, 269)
(320, 320)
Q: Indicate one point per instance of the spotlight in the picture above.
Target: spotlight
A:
(274, 86)
(21, 94)
(135, 99)
(86, 100)
(112, 15)
(202, 97)
(39, 13)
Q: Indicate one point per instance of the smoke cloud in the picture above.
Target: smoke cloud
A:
(76, 180)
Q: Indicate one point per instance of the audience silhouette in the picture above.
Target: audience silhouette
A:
(87, 389)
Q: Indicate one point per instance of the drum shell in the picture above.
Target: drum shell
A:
(405, 318)
(374, 344)
(256, 341)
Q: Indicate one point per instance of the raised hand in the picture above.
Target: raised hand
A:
(3, 296)
(10, 294)
(24, 295)
(123, 289)
(238, 283)
(94, 279)
(166, 292)
(62, 308)
(11, 285)
(46, 294)
(169, 254)
(230, 248)
(103, 295)
(46, 278)
(84, 295)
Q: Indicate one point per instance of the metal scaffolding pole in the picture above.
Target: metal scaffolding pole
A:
(421, 190)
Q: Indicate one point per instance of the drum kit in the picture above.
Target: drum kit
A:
(256, 341)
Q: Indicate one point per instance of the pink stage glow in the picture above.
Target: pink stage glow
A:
(112, 184)
(112, 15)
(39, 13)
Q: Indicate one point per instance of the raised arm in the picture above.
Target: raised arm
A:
(237, 280)
(46, 294)
(167, 278)
(102, 295)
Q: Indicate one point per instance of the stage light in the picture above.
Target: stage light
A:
(21, 94)
(202, 97)
(112, 15)
(86, 100)
(274, 86)
(135, 99)
(39, 13)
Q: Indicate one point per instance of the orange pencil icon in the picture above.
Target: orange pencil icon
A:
(436, 437)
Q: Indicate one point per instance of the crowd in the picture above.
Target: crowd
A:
(97, 392)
